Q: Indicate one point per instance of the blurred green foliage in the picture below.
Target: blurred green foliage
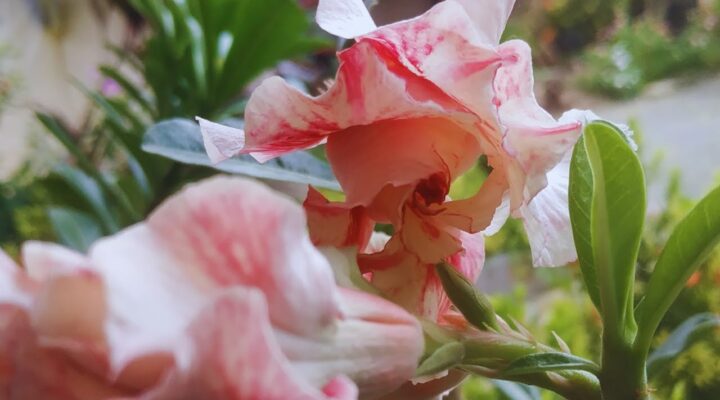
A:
(197, 61)
(561, 306)
(647, 50)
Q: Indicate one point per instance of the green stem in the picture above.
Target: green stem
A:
(623, 376)
(489, 353)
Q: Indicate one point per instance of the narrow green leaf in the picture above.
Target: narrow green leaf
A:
(74, 229)
(546, 362)
(690, 243)
(131, 90)
(180, 140)
(443, 358)
(689, 332)
(91, 192)
(475, 307)
(614, 204)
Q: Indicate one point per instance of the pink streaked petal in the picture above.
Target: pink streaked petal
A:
(136, 266)
(15, 288)
(370, 87)
(470, 260)
(335, 224)
(387, 153)
(432, 389)
(427, 237)
(30, 371)
(377, 344)
(238, 232)
(476, 213)
(489, 16)
(227, 358)
(43, 261)
(445, 47)
(414, 286)
(221, 142)
(532, 136)
(345, 18)
(547, 220)
(7, 265)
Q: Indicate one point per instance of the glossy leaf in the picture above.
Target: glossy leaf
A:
(545, 362)
(517, 391)
(180, 140)
(690, 243)
(612, 199)
(443, 358)
(74, 229)
(475, 307)
(689, 332)
(91, 192)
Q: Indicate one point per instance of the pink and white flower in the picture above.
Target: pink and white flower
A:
(218, 295)
(413, 106)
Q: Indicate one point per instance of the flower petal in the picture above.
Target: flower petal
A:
(398, 152)
(547, 220)
(532, 136)
(240, 232)
(221, 141)
(336, 224)
(376, 344)
(370, 86)
(29, 371)
(488, 16)
(232, 354)
(345, 18)
(15, 288)
(444, 46)
(218, 233)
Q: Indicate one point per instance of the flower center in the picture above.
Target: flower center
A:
(433, 189)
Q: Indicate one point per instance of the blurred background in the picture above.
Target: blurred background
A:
(82, 80)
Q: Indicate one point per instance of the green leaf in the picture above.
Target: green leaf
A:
(443, 358)
(91, 192)
(132, 91)
(546, 362)
(693, 329)
(516, 391)
(180, 140)
(689, 244)
(74, 229)
(475, 307)
(580, 201)
(607, 210)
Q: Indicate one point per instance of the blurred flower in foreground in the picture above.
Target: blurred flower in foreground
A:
(218, 295)
(414, 105)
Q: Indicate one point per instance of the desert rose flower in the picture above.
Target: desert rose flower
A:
(413, 106)
(218, 295)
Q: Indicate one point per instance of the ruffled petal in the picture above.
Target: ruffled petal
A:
(445, 47)
(232, 354)
(345, 18)
(376, 344)
(547, 220)
(219, 233)
(241, 233)
(413, 284)
(367, 158)
(370, 86)
(30, 371)
(221, 141)
(532, 136)
(15, 288)
(489, 16)
(336, 224)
